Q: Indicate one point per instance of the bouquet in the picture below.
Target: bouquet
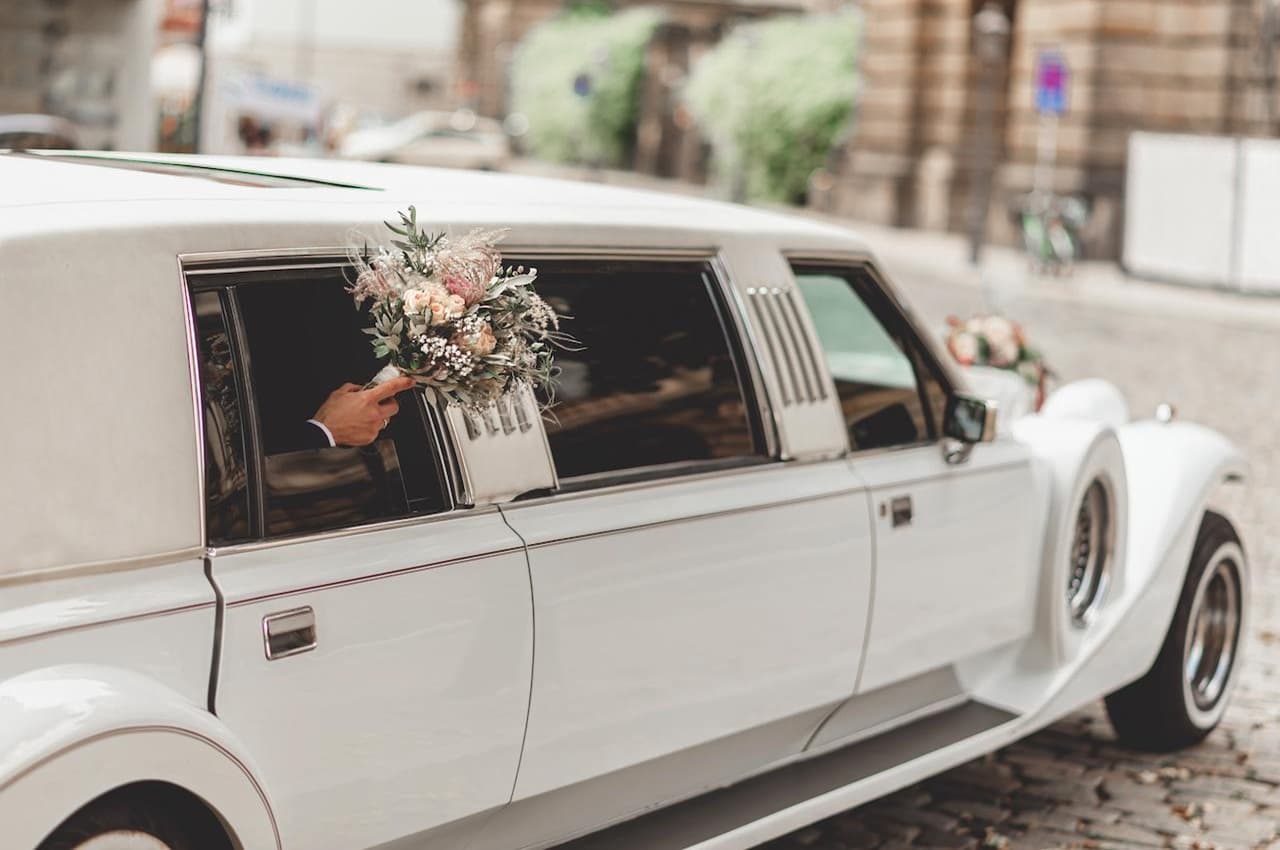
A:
(448, 314)
(991, 340)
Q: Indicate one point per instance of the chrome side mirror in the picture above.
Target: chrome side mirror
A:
(969, 420)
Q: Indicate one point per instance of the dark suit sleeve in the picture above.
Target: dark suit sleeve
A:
(299, 437)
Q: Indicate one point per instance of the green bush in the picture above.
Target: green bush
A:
(774, 97)
(605, 51)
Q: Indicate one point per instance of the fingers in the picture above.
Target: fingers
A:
(388, 408)
(390, 388)
(348, 388)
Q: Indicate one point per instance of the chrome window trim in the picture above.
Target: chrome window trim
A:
(230, 549)
(198, 260)
(197, 403)
(763, 466)
(738, 312)
(863, 261)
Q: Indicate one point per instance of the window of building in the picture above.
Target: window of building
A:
(889, 390)
(657, 380)
(303, 340)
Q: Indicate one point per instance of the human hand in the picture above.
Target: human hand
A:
(355, 416)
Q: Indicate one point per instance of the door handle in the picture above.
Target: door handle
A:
(289, 632)
(901, 511)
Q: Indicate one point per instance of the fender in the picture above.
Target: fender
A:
(1172, 469)
(71, 733)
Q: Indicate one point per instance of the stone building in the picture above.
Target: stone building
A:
(1183, 66)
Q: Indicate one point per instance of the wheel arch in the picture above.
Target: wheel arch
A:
(73, 733)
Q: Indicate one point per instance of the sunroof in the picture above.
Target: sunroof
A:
(231, 176)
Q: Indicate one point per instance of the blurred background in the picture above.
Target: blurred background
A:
(1046, 159)
(1058, 125)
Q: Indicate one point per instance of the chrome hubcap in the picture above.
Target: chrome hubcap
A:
(1213, 631)
(1090, 552)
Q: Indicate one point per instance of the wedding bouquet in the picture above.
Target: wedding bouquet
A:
(448, 314)
(1000, 343)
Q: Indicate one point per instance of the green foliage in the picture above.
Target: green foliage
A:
(774, 97)
(606, 51)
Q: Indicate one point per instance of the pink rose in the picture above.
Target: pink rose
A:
(470, 288)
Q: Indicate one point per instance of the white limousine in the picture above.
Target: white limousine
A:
(767, 558)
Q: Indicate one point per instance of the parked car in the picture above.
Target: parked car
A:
(444, 139)
(767, 558)
(37, 132)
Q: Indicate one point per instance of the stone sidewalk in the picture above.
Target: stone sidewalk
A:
(1216, 357)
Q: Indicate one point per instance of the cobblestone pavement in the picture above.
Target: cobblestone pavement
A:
(1071, 786)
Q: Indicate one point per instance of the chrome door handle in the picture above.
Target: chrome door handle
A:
(901, 511)
(289, 632)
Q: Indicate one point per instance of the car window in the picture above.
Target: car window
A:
(877, 371)
(303, 340)
(655, 378)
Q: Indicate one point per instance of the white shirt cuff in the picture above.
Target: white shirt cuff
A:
(328, 435)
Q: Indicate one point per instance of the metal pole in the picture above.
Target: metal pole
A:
(990, 35)
(197, 106)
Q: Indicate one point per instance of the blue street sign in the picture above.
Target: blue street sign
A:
(1052, 78)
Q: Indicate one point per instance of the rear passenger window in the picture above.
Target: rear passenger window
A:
(658, 379)
(304, 339)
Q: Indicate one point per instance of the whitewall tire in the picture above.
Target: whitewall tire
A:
(123, 840)
(1184, 695)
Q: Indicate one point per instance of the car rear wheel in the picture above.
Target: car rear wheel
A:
(1182, 698)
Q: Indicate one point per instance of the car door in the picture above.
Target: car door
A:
(375, 642)
(956, 558)
(700, 606)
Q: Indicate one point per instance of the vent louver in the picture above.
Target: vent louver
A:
(790, 346)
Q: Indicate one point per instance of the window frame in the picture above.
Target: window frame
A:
(219, 272)
(861, 273)
(746, 360)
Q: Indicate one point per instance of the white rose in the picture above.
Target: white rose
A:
(1004, 352)
(1002, 338)
(415, 302)
(964, 347)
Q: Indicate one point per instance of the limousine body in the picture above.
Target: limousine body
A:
(764, 559)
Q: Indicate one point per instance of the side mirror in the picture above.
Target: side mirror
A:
(970, 420)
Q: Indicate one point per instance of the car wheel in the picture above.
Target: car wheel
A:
(1182, 698)
(119, 822)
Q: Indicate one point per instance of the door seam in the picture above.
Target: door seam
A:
(219, 616)
(533, 651)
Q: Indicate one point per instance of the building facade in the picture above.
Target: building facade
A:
(1178, 66)
(88, 61)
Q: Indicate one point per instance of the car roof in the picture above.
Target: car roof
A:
(187, 184)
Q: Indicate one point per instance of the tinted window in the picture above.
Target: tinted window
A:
(873, 359)
(303, 338)
(226, 475)
(657, 380)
